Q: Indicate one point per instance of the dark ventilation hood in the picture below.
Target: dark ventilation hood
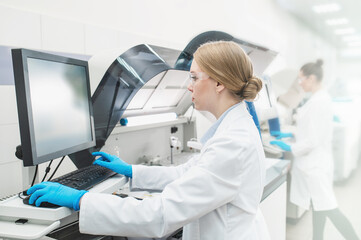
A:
(149, 79)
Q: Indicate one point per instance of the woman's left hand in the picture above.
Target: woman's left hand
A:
(282, 145)
(280, 135)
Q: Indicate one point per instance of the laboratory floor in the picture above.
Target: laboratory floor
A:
(348, 195)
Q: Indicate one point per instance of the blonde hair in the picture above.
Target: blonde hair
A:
(228, 64)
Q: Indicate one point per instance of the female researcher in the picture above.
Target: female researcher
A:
(215, 195)
(312, 169)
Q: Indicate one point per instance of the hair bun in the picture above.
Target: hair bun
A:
(251, 88)
(319, 62)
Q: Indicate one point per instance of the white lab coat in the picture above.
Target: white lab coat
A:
(215, 195)
(312, 169)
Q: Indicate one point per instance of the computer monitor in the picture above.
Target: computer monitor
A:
(265, 103)
(54, 105)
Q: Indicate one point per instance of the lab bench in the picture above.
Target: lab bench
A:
(62, 223)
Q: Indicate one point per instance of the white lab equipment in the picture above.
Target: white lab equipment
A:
(194, 144)
(286, 88)
(265, 103)
(266, 109)
(174, 143)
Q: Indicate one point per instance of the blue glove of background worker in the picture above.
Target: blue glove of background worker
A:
(282, 145)
(55, 193)
(280, 135)
(113, 163)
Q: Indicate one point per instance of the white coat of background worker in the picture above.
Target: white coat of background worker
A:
(215, 195)
(312, 168)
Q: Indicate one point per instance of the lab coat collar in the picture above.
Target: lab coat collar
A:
(319, 93)
(316, 96)
(212, 130)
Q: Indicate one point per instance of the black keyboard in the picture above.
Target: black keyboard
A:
(81, 179)
(85, 178)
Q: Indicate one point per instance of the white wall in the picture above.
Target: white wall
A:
(92, 26)
(348, 72)
(169, 23)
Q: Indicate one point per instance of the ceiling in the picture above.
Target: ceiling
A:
(348, 9)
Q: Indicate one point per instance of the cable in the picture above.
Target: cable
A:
(19, 195)
(56, 169)
(36, 172)
(47, 170)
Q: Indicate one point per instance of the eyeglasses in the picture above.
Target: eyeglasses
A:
(193, 77)
(303, 78)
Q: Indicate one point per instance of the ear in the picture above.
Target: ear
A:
(313, 78)
(219, 87)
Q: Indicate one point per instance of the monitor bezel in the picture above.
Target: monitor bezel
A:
(24, 107)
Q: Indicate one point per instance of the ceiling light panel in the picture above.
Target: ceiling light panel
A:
(343, 31)
(336, 21)
(326, 8)
(351, 38)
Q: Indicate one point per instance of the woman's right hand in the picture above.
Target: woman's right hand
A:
(284, 146)
(113, 163)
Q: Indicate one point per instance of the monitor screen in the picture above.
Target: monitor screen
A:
(54, 105)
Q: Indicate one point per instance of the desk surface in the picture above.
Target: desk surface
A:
(276, 171)
(276, 174)
(41, 221)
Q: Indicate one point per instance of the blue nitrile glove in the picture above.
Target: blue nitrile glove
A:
(113, 163)
(55, 193)
(282, 145)
(280, 135)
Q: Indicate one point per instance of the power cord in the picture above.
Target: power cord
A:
(56, 169)
(20, 195)
(36, 172)
(32, 183)
(47, 170)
